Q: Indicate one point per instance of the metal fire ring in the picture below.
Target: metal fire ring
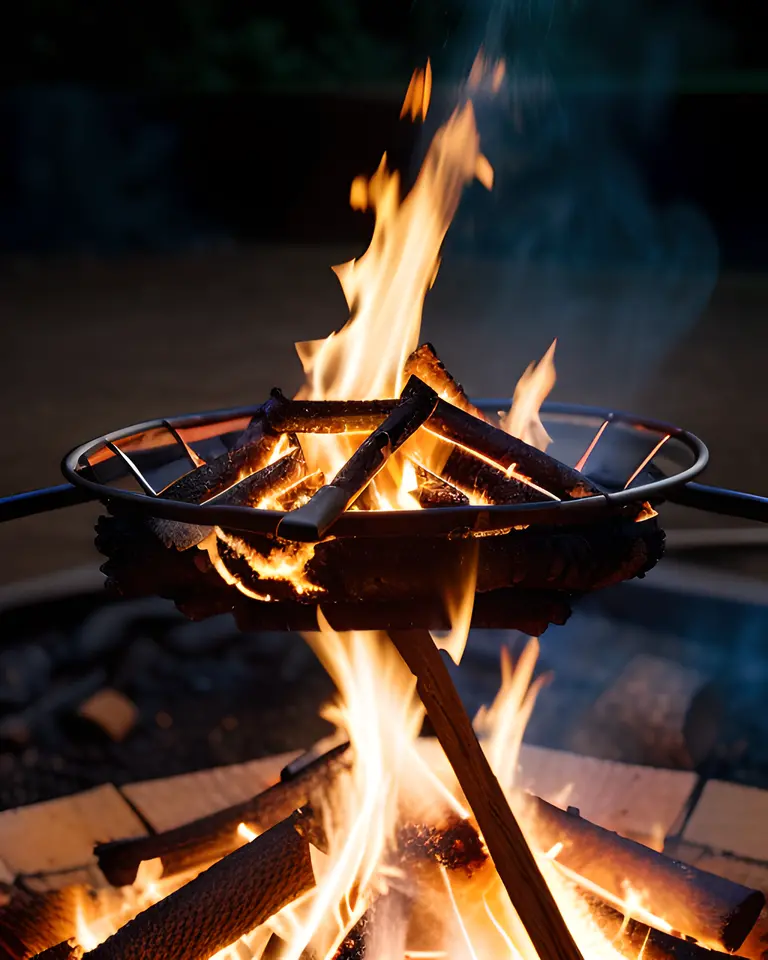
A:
(655, 486)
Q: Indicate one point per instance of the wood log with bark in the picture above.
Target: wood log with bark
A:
(249, 454)
(67, 950)
(231, 898)
(425, 364)
(272, 479)
(708, 908)
(200, 842)
(32, 922)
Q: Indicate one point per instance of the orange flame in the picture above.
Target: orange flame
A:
(523, 419)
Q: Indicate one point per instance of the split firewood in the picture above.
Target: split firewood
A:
(511, 855)
(656, 713)
(434, 491)
(273, 479)
(425, 364)
(111, 711)
(313, 520)
(219, 906)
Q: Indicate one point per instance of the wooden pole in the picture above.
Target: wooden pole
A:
(506, 844)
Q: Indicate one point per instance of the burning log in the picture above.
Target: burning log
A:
(250, 453)
(219, 906)
(508, 452)
(272, 479)
(477, 477)
(436, 492)
(312, 521)
(511, 855)
(32, 922)
(67, 950)
(634, 939)
(425, 364)
(716, 912)
(712, 910)
(332, 416)
(195, 844)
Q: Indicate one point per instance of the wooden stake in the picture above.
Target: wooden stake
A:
(506, 844)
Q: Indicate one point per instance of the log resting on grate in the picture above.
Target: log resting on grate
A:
(548, 566)
(698, 904)
(553, 562)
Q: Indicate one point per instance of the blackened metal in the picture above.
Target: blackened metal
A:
(446, 521)
(729, 503)
(32, 502)
(312, 521)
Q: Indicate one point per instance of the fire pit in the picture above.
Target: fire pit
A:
(382, 498)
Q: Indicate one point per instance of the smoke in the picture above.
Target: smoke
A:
(581, 248)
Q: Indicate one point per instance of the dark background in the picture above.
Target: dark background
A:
(146, 126)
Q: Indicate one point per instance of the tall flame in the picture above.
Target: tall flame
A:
(523, 419)
(385, 288)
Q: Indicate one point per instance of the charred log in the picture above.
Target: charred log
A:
(31, 922)
(68, 950)
(273, 479)
(434, 491)
(222, 904)
(456, 425)
(479, 478)
(250, 453)
(634, 939)
(425, 364)
(314, 519)
(332, 416)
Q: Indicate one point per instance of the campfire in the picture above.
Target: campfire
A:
(383, 843)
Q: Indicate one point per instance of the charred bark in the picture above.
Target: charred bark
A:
(425, 364)
(502, 448)
(219, 906)
(273, 478)
(434, 491)
(250, 453)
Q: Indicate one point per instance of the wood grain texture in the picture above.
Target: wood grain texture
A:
(506, 844)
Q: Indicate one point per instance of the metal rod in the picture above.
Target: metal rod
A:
(40, 501)
(729, 503)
